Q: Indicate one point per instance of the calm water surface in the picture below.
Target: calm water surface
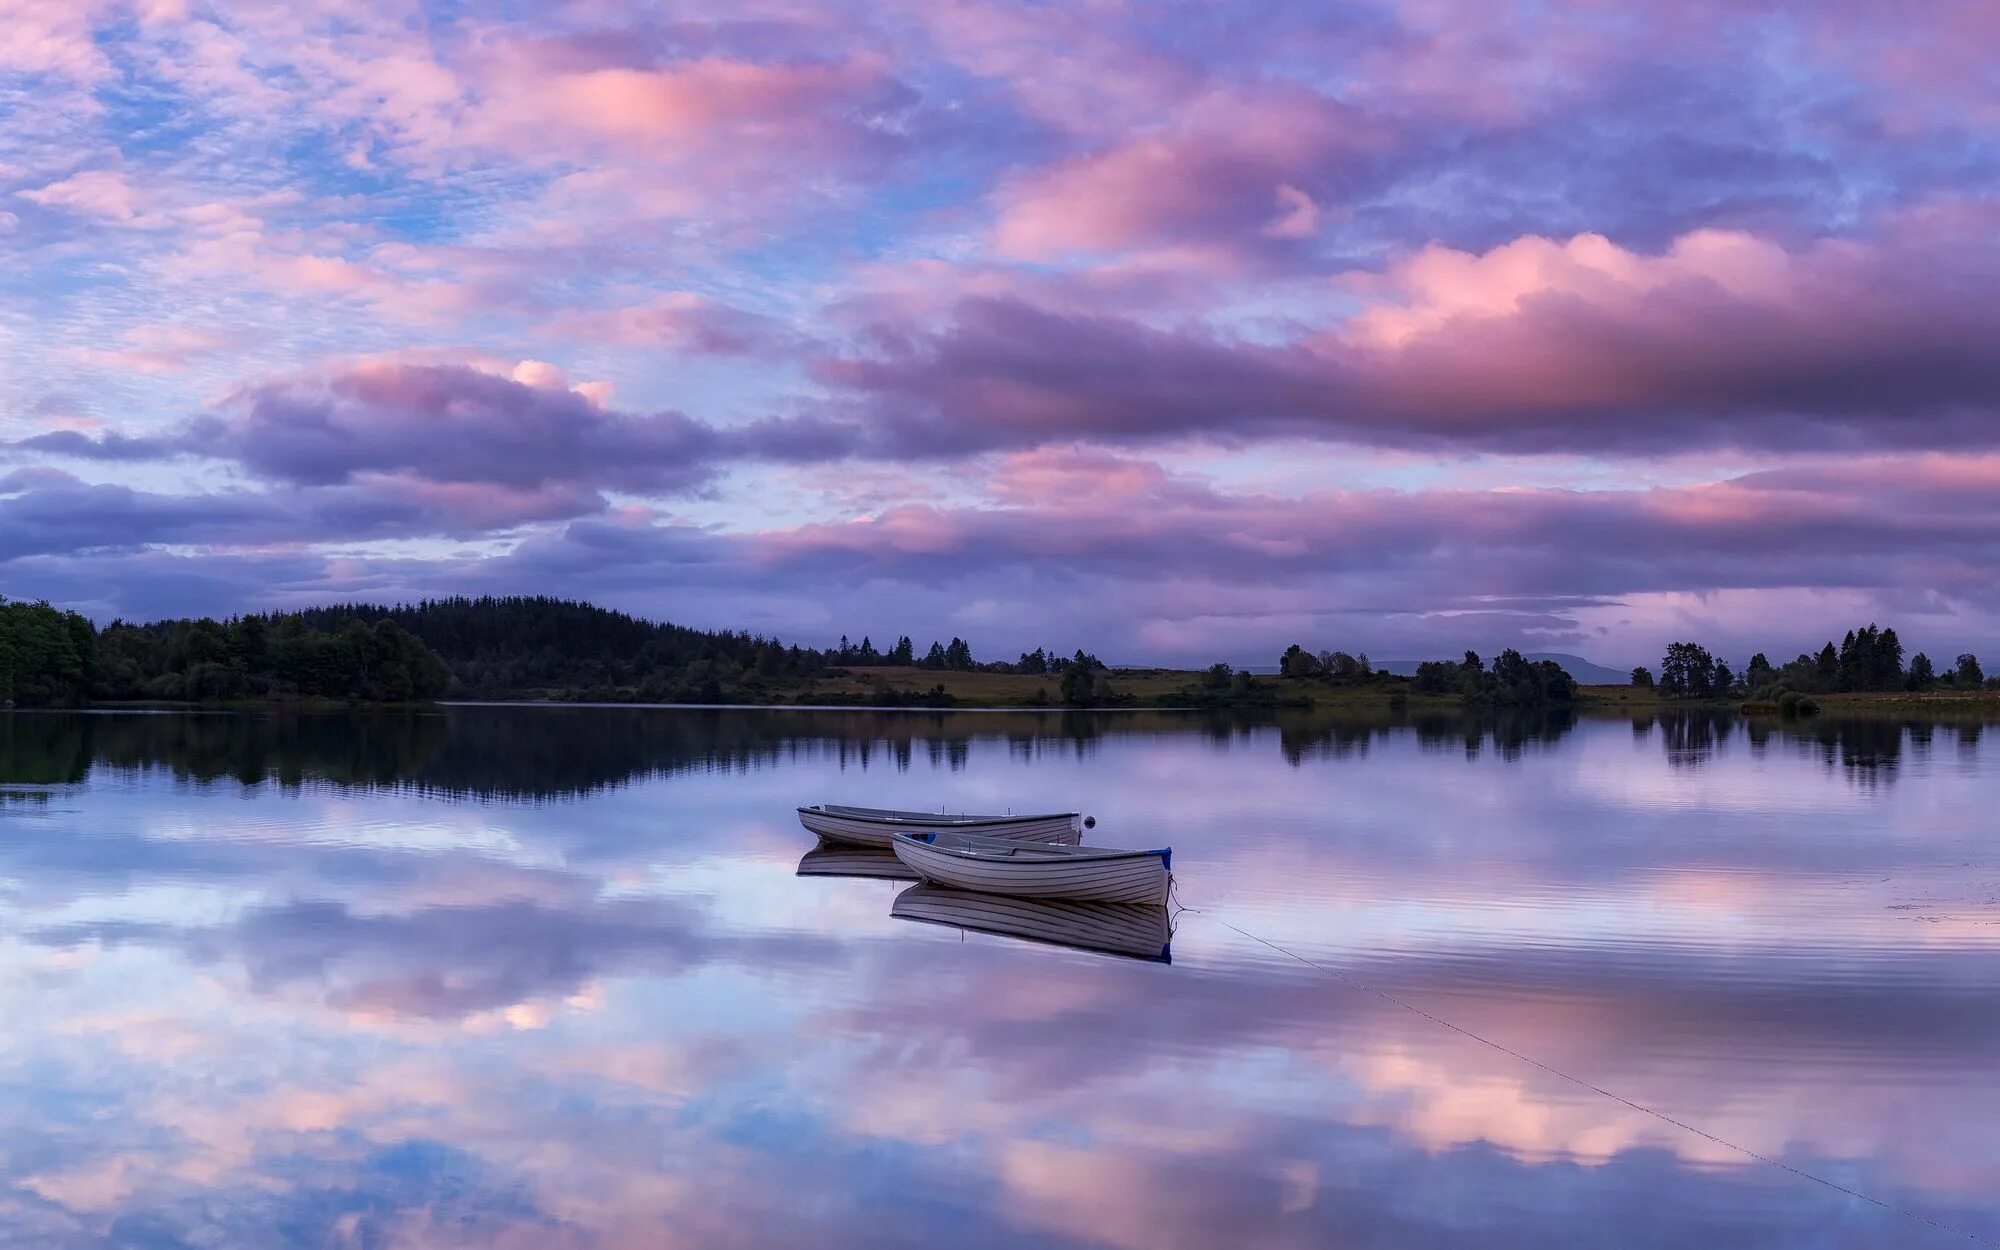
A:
(541, 977)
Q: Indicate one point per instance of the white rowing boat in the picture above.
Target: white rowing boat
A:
(1137, 930)
(874, 826)
(836, 859)
(1027, 870)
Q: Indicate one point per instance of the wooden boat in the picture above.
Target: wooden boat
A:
(1136, 930)
(836, 859)
(874, 826)
(1028, 870)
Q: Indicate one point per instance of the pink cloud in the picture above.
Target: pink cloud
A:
(1440, 288)
(1063, 477)
(623, 124)
(103, 194)
(1226, 165)
(706, 101)
(154, 349)
(1298, 215)
(54, 39)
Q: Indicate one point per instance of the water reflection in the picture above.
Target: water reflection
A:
(548, 752)
(1691, 736)
(457, 980)
(569, 752)
(840, 859)
(1139, 930)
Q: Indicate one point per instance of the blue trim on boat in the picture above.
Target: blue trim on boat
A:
(1166, 858)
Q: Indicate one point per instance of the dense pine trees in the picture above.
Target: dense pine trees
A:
(538, 646)
(281, 656)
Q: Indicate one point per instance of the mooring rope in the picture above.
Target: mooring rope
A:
(1581, 1083)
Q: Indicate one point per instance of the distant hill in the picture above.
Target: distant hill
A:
(1585, 673)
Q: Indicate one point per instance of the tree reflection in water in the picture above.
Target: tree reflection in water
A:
(546, 752)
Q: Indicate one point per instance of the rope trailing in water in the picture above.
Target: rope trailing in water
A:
(1599, 1090)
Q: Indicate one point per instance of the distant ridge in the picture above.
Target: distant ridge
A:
(1585, 673)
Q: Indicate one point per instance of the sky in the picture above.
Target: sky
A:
(1176, 331)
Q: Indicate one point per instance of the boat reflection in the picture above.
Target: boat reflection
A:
(840, 859)
(1135, 930)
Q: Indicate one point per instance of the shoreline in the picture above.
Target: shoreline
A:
(1369, 700)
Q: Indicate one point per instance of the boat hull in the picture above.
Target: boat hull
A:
(1062, 829)
(1103, 877)
(1135, 930)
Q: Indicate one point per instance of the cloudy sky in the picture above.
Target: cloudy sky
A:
(1178, 331)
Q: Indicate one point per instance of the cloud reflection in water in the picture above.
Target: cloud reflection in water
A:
(533, 977)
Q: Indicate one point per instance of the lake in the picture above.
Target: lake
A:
(551, 977)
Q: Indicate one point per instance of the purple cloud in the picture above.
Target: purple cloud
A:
(450, 424)
(112, 447)
(46, 512)
(1725, 340)
(1153, 563)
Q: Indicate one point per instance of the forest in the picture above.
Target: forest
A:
(525, 647)
(540, 647)
(53, 658)
(46, 657)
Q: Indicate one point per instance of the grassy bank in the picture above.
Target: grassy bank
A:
(1156, 688)
(1145, 687)
(1902, 702)
(895, 686)
(1636, 697)
(977, 689)
(1924, 702)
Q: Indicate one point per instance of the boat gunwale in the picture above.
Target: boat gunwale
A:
(926, 820)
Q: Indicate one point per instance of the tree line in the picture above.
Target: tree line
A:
(475, 648)
(542, 647)
(1513, 679)
(1869, 659)
(1336, 667)
(953, 656)
(50, 657)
